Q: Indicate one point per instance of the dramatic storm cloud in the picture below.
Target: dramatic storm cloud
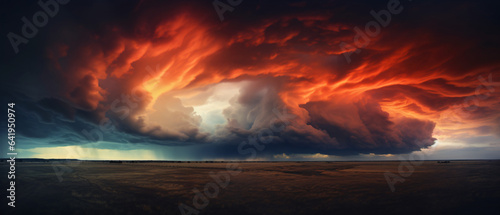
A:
(355, 77)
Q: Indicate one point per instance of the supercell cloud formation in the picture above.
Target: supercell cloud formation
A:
(171, 73)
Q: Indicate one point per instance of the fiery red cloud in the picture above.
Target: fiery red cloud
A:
(411, 84)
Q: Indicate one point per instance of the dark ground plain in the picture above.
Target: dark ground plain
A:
(459, 187)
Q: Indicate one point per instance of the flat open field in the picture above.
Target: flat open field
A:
(459, 187)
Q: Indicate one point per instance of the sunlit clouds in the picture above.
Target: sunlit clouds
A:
(180, 77)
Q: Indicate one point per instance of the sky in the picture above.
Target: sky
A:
(252, 80)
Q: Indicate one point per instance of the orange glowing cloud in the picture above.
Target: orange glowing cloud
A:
(401, 89)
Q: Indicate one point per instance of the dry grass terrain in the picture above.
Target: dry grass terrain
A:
(459, 187)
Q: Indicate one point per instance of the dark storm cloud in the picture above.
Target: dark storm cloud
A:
(72, 75)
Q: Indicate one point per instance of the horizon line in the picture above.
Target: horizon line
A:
(233, 161)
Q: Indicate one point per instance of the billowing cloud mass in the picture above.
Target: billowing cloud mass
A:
(174, 74)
